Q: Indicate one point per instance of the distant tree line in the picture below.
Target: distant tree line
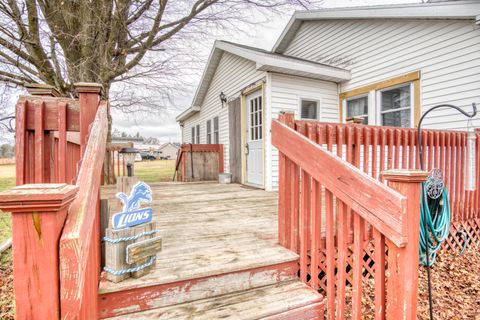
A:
(7, 151)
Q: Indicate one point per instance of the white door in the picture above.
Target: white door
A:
(254, 147)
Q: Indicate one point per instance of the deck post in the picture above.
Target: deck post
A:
(402, 275)
(89, 96)
(38, 215)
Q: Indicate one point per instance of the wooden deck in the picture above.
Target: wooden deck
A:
(218, 240)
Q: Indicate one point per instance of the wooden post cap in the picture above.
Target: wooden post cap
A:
(405, 175)
(37, 197)
(88, 87)
(38, 89)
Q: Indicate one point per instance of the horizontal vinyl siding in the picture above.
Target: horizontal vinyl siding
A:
(231, 76)
(446, 52)
(285, 93)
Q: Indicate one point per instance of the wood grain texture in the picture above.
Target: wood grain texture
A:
(79, 244)
(381, 206)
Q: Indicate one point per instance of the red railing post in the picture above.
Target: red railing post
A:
(38, 214)
(89, 96)
(402, 276)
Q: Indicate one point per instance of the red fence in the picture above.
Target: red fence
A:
(115, 166)
(375, 149)
(199, 162)
(56, 247)
(328, 209)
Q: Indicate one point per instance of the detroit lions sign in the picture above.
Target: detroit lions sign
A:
(132, 214)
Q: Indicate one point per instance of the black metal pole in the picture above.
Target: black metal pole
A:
(420, 154)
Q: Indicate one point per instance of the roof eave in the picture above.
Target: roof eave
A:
(187, 113)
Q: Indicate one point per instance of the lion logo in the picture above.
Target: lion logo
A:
(141, 192)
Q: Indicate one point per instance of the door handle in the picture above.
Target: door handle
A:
(247, 149)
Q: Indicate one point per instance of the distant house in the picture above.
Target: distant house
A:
(381, 65)
(168, 150)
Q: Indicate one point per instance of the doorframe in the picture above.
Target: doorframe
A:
(259, 85)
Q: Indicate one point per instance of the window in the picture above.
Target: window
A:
(357, 108)
(309, 109)
(393, 102)
(209, 131)
(256, 118)
(395, 107)
(193, 134)
(198, 133)
(216, 137)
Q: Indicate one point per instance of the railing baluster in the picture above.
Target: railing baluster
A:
(358, 236)
(316, 233)
(342, 239)
(330, 253)
(304, 215)
(379, 253)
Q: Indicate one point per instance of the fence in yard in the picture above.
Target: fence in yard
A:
(375, 149)
(55, 207)
(199, 162)
(115, 166)
(348, 225)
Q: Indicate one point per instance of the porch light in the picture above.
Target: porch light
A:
(471, 156)
(223, 98)
(129, 159)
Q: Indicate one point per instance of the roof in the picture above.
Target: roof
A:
(457, 10)
(265, 61)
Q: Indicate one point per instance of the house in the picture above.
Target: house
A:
(382, 65)
(168, 150)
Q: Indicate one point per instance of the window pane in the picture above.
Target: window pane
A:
(193, 134)
(397, 119)
(396, 98)
(358, 108)
(309, 109)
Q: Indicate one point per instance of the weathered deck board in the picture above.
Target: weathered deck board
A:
(209, 229)
(258, 303)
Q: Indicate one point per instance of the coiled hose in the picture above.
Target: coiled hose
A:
(436, 212)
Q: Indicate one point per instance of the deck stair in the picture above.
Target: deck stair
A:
(220, 259)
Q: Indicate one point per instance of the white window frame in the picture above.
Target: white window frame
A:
(369, 109)
(306, 98)
(379, 112)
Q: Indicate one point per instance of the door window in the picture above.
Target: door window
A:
(256, 118)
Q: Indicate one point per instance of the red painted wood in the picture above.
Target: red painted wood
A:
(282, 201)
(295, 176)
(316, 205)
(304, 217)
(80, 238)
(309, 312)
(39, 142)
(357, 256)
(20, 142)
(342, 247)
(62, 142)
(38, 213)
(375, 201)
(403, 262)
(379, 242)
(142, 298)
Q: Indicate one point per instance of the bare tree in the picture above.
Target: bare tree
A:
(60, 42)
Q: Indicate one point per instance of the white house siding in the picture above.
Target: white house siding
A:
(232, 75)
(446, 51)
(284, 94)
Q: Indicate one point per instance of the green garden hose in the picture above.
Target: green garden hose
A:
(437, 226)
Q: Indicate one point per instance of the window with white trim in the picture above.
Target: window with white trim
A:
(309, 109)
(357, 108)
(395, 106)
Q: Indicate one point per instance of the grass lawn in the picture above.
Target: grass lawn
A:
(155, 171)
(7, 181)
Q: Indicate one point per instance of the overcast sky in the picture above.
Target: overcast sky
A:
(264, 36)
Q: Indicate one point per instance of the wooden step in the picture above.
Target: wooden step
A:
(282, 301)
(217, 283)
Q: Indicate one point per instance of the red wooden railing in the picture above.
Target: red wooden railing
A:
(326, 204)
(184, 164)
(56, 248)
(80, 240)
